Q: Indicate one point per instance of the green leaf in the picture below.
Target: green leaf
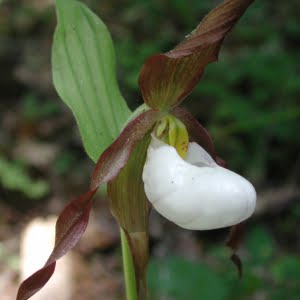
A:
(83, 61)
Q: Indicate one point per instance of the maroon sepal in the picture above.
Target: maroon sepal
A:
(166, 79)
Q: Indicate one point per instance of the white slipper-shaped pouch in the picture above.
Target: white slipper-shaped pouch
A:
(195, 193)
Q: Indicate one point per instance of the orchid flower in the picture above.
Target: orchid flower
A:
(163, 157)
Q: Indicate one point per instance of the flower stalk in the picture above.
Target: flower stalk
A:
(128, 269)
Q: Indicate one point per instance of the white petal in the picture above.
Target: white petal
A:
(196, 193)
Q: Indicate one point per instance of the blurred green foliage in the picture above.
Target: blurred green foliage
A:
(269, 272)
(33, 111)
(64, 162)
(15, 176)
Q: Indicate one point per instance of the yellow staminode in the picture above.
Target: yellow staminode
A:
(173, 132)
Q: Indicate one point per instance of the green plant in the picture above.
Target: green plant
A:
(158, 133)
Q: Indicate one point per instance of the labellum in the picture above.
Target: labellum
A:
(195, 193)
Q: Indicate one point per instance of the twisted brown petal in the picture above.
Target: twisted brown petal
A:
(117, 154)
(70, 226)
(234, 240)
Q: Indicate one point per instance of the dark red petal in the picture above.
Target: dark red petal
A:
(165, 79)
(70, 226)
(234, 241)
(238, 263)
(35, 282)
(197, 132)
(117, 154)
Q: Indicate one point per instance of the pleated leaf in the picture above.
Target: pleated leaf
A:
(83, 61)
(166, 79)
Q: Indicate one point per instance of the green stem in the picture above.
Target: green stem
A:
(129, 274)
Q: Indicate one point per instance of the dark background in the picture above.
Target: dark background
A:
(249, 101)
